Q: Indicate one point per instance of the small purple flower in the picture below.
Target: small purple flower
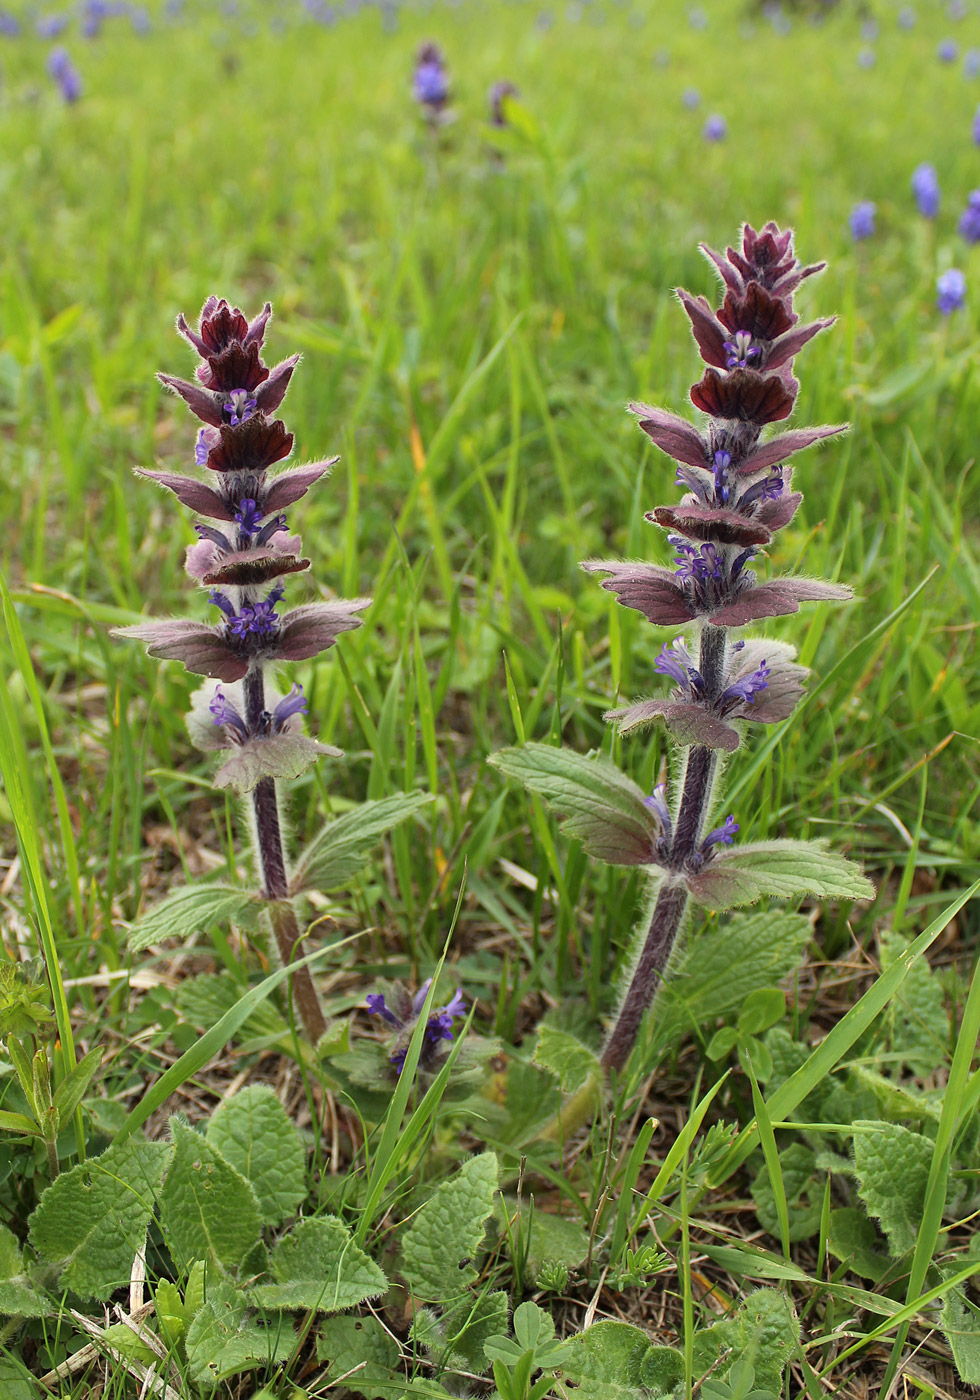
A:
(715, 128)
(925, 188)
(295, 703)
(377, 1006)
(9, 26)
(675, 661)
(240, 406)
(948, 51)
(769, 488)
(745, 690)
(657, 803)
(430, 81)
(971, 63)
(228, 717)
(862, 220)
(248, 516)
(969, 224)
(65, 74)
(723, 835)
(740, 354)
(255, 619)
(404, 1017)
(866, 58)
(722, 461)
(202, 446)
(50, 26)
(951, 289)
(691, 99)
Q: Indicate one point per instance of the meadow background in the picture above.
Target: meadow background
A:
(474, 312)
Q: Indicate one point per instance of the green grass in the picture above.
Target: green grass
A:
(472, 330)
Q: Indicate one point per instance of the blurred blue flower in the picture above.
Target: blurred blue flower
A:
(948, 51)
(925, 188)
(906, 17)
(50, 26)
(951, 289)
(9, 26)
(869, 30)
(866, 58)
(697, 18)
(971, 63)
(691, 99)
(969, 224)
(65, 74)
(862, 220)
(715, 128)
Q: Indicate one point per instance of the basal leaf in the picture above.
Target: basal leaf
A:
(225, 1339)
(960, 1321)
(853, 1239)
(458, 1338)
(91, 1220)
(564, 1056)
(597, 803)
(917, 1018)
(191, 908)
(253, 1133)
(346, 1343)
(345, 844)
(318, 1266)
(797, 1168)
(744, 874)
(607, 1359)
(448, 1231)
(550, 1238)
(18, 1296)
(892, 1166)
(208, 1210)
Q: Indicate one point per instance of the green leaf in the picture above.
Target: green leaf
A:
(765, 1329)
(760, 1010)
(532, 1326)
(448, 1231)
(224, 1339)
(207, 1209)
(282, 756)
(318, 1266)
(564, 1056)
(254, 1134)
(15, 1381)
(607, 1360)
(853, 1239)
(193, 908)
(797, 1169)
(720, 968)
(91, 1221)
(204, 999)
(18, 1296)
(553, 1238)
(960, 1321)
(598, 804)
(459, 1338)
(72, 1088)
(348, 1342)
(781, 868)
(344, 845)
(917, 1019)
(892, 1166)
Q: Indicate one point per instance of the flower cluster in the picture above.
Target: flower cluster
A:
(402, 1017)
(430, 82)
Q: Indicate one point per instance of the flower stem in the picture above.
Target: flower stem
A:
(268, 836)
(670, 906)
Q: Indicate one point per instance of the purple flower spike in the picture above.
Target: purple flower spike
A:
(430, 81)
(951, 289)
(948, 51)
(715, 128)
(969, 224)
(862, 220)
(248, 515)
(925, 188)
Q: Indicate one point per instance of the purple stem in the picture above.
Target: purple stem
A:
(268, 835)
(671, 902)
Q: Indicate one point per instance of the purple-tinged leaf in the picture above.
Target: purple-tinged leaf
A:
(717, 523)
(744, 395)
(271, 392)
(209, 564)
(775, 514)
(256, 327)
(651, 590)
(312, 628)
(673, 435)
(688, 721)
(777, 598)
(202, 649)
(784, 683)
(251, 446)
(200, 401)
(281, 756)
(783, 349)
(288, 487)
(777, 449)
(729, 275)
(237, 366)
(192, 493)
(709, 333)
(598, 804)
(743, 874)
(756, 312)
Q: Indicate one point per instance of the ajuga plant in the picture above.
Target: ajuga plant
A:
(244, 552)
(738, 492)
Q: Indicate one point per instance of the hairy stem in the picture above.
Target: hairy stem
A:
(268, 835)
(670, 906)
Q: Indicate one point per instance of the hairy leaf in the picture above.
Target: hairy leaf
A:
(853, 1239)
(318, 1266)
(224, 1339)
(459, 1337)
(765, 1328)
(253, 1133)
(191, 908)
(892, 1166)
(781, 868)
(564, 1056)
(960, 1321)
(607, 1359)
(447, 1232)
(345, 844)
(797, 1168)
(208, 1210)
(18, 1296)
(281, 756)
(918, 1020)
(346, 1343)
(91, 1221)
(598, 804)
